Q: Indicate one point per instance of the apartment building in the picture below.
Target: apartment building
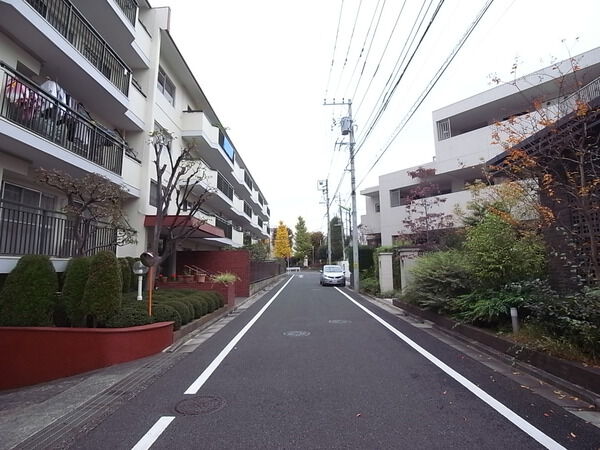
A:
(463, 141)
(83, 84)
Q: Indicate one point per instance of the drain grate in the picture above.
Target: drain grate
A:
(200, 405)
(296, 333)
(340, 321)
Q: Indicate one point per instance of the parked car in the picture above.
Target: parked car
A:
(332, 275)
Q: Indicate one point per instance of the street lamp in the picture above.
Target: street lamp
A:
(140, 270)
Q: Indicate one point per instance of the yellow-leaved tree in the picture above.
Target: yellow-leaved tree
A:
(282, 242)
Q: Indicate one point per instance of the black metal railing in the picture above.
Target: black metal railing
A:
(129, 8)
(27, 105)
(30, 230)
(224, 186)
(69, 22)
(225, 226)
(247, 209)
(263, 270)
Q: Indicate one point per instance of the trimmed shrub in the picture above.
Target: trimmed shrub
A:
(103, 290)
(183, 310)
(370, 285)
(129, 317)
(166, 313)
(132, 279)
(76, 277)
(126, 274)
(26, 298)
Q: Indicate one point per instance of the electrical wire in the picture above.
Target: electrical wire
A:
(334, 48)
(348, 50)
(430, 86)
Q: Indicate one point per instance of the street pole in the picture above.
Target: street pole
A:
(348, 128)
(342, 228)
(324, 186)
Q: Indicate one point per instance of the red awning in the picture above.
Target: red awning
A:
(202, 229)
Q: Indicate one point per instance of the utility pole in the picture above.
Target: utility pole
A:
(347, 126)
(342, 228)
(324, 186)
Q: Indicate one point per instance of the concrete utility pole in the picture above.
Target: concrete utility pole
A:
(347, 126)
(342, 228)
(324, 186)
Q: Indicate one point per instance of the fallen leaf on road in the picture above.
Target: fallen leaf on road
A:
(525, 387)
(358, 415)
(573, 435)
(546, 414)
(445, 392)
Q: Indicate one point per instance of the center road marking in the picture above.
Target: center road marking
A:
(517, 420)
(196, 385)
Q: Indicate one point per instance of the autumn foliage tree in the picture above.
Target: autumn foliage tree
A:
(282, 247)
(555, 147)
(424, 216)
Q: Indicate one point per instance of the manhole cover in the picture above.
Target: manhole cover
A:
(338, 321)
(297, 333)
(204, 404)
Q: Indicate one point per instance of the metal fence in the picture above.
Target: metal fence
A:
(129, 8)
(262, 270)
(29, 230)
(69, 22)
(25, 104)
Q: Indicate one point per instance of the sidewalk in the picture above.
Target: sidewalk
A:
(43, 415)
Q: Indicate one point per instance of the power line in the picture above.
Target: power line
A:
(334, 48)
(388, 95)
(349, 45)
(430, 86)
(362, 49)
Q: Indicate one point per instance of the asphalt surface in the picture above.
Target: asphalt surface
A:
(317, 371)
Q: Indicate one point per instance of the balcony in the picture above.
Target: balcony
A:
(25, 104)
(129, 8)
(29, 230)
(225, 226)
(69, 22)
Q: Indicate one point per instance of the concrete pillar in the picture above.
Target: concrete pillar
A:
(386, 272)
(408, 257)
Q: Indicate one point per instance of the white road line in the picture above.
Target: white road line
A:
(517, 420)
(196, 385)
(153, 433)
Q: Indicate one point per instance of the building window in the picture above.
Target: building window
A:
(377, 207)
(27, 197)
(443, 129)
(395, 198)
(247, 209)
(261, 200)
(248, 180)
(153, 197)
(260, 222)
(166, 86)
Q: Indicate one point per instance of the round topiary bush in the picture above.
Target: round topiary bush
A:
(129, 317)
(76, 276)
(166, 313)
(102, 295)
(26, 298)
(183, 310)
(126, 274)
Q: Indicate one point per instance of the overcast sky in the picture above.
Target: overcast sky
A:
(266, 66)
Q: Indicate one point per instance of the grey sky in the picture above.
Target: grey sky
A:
(264, 66)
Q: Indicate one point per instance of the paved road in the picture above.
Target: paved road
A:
(309, 367)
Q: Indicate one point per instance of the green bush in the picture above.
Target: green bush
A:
(132, 279)
(103, 290)
(26, 298)
(76, 277)
(438, 278)
(489, 308)
(183, 310)
(499, 254)
(126, 274)
(129, 317)
(370, 285)
(166, 313)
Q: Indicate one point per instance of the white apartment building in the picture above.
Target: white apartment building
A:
(83, 84)
(463, 140)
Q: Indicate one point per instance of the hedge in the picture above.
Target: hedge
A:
(76, 277)
(103, 290)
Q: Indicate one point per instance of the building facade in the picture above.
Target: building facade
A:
(84, 84)
(463, 141)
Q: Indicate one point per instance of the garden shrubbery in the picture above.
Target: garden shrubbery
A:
(76, 277)
(27, 297)
(102, 294)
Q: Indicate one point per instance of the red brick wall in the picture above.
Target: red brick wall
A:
(32, 355)
(234, 261)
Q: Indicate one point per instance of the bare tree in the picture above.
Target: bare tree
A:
(93, 202)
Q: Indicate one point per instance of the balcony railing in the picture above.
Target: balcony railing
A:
(29, 230)
(224, 186)
(225, 226)
(25, 104)
(129, 8)
(247, 209)
(69, 22)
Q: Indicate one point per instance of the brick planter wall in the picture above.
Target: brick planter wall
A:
(32, 355)
(234, 261)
